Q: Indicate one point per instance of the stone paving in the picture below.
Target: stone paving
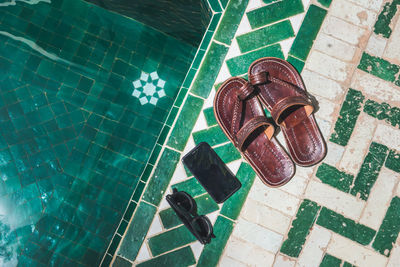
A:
(344, 211)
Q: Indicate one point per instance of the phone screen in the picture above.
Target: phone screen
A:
(211, 172)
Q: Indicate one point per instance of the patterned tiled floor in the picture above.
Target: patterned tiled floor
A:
(343, 212)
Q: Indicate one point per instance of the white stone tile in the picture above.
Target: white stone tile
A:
(343, 30)
(200, 124)
(326, 109)
(354, 253)
(387, 135)
(143, 254)
(379, 198)
(233, 51)
(374, 5)
(296, 22)
(325, 127)
(210, 100)
(314, 248)
(306, 3)
(229, 262)
(179, 174)
(257, 212)
(392, 51)
(335, 47)
(197, 248)
(155, 227)
(352, 13)
(343, 203)
(272, 197)
(244, 26)
(376, 45)
(305, 172)
(334, 154)
(286, 45)
(328, 66)
(373, 86)
(394, 259)
(358, 144)
(258, 235)
(223, 75)
(283, 261)
(322, 86)
(234, 165)
(247, 253)
(296, 186)
(164, 203)
(254, 4)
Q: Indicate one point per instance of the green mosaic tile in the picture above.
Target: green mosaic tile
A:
(239, 65)
(274, 12)
(330, 261)
(228, 152)
(224, 3)
(383, 111)
(177, 258)
(210, 117)
(209, 70)
(389, 229)
(325, 3)
(332, 176)
(345, 227)
(186, 120)
(121, 262)
(179, 99)
(205, 205)
(197, 60)
(146, 173)
(233, 205)
(305, 218)
(172, 116)
(137, 231)
(382, 24)
(170, 240)
(348, 115)
(190, 186)
(379, 67)
(297, 63)
(212, 252)
(308, 32)
(230, 21)
(393, 161)
(161, 176)
(189, 78)
(122, 227)
(369, 170)
(213, 136)
(265, 36)
(214, 4)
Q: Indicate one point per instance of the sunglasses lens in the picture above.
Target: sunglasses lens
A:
(185, 201)
(202, 226)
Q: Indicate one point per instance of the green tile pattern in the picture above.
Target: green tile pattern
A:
(382, 24)
(190, 186)
(369, 170)
(389, 229)
(137, 231)
(305, 217)
(238, 65)
(330, 261)
(205, 205)
(297, 63)
(210, 117)
(209, 70)
(265, 36)
(345, 227)
(230, 21)
(274, 12)
(308, 32)
(161, 176)
(212, 252)
(325, 3)
(380, 67)
(347, 119)
(177, 258)
(393, 161)
(170, 240)
(383, 111)
(228, 152)
(246, 176)
(186, 120)
(332, 176)
(213, 136)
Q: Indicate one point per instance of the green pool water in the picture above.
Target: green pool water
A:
(84, 94)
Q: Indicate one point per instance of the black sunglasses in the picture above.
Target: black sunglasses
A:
(186, 208)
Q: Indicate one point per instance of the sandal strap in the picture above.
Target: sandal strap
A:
(245, 91)
(242, 94)
(249, 127)
(290, 101)
(259, 78)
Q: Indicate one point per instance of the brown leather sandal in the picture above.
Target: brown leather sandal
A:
(241, 116)
(282, 91)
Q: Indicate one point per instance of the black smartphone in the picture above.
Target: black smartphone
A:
(211, 172)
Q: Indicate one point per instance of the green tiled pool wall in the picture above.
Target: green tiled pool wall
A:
(75, 141)
(184, 21)
(170, 238)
